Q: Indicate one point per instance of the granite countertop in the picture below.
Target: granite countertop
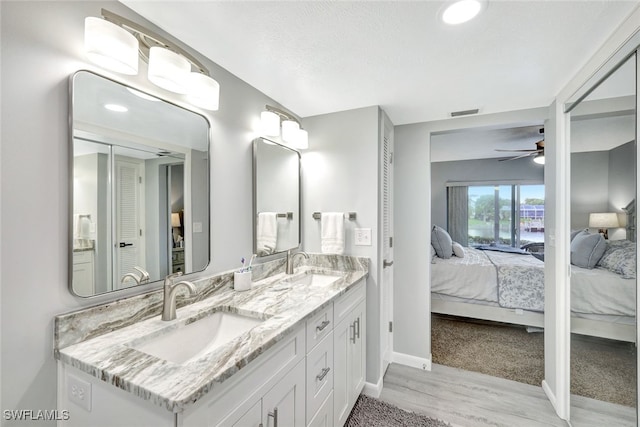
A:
(275, 299)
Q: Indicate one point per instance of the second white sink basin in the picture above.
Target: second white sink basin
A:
(315, 279)
(191, 341)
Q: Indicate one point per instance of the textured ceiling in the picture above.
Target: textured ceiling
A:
(319, 57)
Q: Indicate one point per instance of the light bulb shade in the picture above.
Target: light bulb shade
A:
(168, 69)
(203, 91)
(290, 131)
(269, 123)
(539, 159)
(110, 46)
(302, 140)
(603, 220)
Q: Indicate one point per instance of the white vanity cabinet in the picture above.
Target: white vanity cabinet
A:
(309, 378)
(83, 272)
(349, 352)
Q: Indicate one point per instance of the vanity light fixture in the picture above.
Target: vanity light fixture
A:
(273, 118)
(539, 158)
(460, 11)
(114, 40)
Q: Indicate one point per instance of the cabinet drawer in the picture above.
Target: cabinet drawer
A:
(319, 327)
(319, 375)
(324, 416)
(348, 301)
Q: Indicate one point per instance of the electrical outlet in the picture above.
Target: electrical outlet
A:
(79, 392)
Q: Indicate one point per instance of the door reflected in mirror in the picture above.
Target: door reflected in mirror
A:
(276, 197)
(603, 249)
(140, 170)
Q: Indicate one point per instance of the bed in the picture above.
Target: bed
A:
(509, 287)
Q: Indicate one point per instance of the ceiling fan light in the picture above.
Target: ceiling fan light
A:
(539, 158)
(168, 70)
(110, 46)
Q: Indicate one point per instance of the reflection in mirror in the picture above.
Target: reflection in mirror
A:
(276, 197)
(140, 206)
(603, 249)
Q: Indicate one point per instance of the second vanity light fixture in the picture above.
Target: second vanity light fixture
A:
(272, 119)
(114, 43)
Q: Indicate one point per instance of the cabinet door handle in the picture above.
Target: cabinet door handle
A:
(323, 373)
(322, 325)
(357, 328)
(274, 414)
(353, 332)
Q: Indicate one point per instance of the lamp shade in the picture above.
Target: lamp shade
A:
(110, 46)
(290, 131)
(269, 123)
(603, 220)
(168, 69)
(203, 91)
(175, 220)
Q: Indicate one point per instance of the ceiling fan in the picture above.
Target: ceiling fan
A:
(537, 153)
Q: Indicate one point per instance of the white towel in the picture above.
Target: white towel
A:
(332, 233)
(267, 235)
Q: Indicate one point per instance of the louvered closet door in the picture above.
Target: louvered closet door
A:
(127, 197)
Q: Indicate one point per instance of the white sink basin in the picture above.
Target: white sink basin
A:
(198, 338)
(315, 279)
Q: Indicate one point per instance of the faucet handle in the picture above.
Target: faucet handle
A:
(173, 275)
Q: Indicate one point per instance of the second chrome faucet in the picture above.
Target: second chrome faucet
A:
(290, 258)
(170, 290)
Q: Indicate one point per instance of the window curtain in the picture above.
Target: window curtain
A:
(458, 214)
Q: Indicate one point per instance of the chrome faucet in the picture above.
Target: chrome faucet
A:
(290, 258)
(144, 277)
(170, 290)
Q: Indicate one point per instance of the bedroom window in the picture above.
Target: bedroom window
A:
(505, 214)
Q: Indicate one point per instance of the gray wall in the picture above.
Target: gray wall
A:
(41, 45)
(340, 173)
(589, 186)
(476, 170)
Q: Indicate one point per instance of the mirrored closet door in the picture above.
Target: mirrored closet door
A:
(603, 249)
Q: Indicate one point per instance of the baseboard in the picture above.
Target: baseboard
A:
(412, 361)
(373, 390)
(550, 395)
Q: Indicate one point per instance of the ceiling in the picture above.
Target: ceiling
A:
(316, 57)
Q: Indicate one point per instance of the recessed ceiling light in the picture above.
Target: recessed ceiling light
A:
(117, 108)
(460, 11)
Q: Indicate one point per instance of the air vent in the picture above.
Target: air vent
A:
(464, 113)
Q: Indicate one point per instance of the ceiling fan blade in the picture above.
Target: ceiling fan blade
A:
(516, 157)
(516, 151)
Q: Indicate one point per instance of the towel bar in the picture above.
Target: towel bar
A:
(351, 216)
(288, 215)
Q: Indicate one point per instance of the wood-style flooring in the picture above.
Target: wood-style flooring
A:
(470, 399)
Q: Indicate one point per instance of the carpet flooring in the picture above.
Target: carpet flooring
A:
(370, 412)
(600, 369)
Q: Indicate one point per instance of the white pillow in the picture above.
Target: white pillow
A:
(458, 250)
(441, 242)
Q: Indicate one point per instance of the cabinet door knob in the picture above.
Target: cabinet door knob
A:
(322, 325)
(323, 373)
(274, 414)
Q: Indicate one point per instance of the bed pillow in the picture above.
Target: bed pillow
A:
(441, 242)
(433, 255)
(457, 249)
(574, 233)
(587, 249)
(620, 258)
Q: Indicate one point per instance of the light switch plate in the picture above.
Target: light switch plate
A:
(362, 236)
(197, 227)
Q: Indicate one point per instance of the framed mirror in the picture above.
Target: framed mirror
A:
(139, 186)
(603, 135)
(276, 198)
